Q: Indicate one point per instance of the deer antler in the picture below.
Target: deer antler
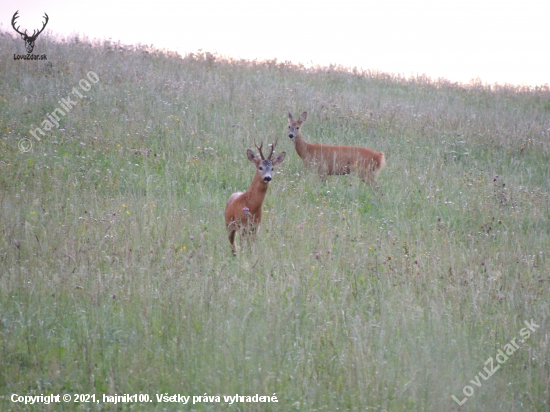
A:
(260, 149)
(43, 26)
(34, 33)
(15, 17)
(273, 148)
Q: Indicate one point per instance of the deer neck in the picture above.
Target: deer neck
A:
(256, 193)
(301, 146)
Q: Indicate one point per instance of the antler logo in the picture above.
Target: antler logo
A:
(29, 40)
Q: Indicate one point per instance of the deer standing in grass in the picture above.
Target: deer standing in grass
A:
(335, 160)
(243, 211)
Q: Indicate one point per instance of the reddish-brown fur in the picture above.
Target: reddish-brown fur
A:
(243, 211)
(336, 160)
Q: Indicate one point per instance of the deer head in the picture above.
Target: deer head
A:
(294, 125)
(265, 166)
(29, 40)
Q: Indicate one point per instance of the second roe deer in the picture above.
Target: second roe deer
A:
(243, 211)
(335, 160)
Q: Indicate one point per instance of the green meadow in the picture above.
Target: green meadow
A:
(117, 277)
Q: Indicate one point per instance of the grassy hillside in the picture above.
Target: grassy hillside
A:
(116, 275)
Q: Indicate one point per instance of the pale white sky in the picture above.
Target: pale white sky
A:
(500, 41)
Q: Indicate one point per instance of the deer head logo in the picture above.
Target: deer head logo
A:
(29, 40)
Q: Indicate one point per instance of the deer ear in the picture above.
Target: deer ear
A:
(290, 118)
(303, 117)
(251, 156)
(279, 159)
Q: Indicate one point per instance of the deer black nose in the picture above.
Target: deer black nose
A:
(267, 179)
(291, 135)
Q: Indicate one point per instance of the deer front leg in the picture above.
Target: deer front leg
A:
(323, 171)
(249, 236)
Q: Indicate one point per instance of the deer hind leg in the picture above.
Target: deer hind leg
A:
(232, 241)
(375, 175)
(368, 173)
(368, 176)
(368, 179)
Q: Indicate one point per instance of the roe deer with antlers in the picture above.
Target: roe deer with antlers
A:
(335, 160)
(243, 211)
(29, 40)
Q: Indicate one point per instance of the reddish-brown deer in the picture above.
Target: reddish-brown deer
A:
(335, 160)
(243, 211)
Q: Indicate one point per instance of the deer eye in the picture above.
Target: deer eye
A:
(261, 168)
(297, 128)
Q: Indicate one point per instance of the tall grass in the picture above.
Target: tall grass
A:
(116, 274)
